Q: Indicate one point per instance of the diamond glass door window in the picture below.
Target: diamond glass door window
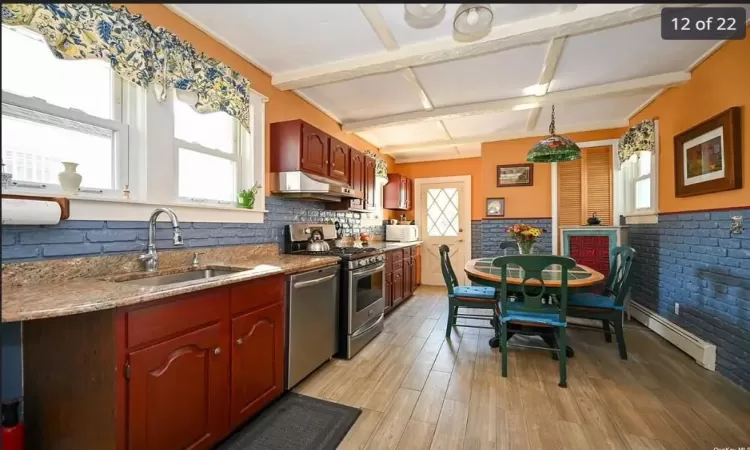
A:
(442, 212)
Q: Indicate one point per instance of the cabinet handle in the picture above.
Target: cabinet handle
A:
(217, 351)
(239, 341)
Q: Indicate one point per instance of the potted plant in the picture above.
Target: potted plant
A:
(246, 197)
(525, 236)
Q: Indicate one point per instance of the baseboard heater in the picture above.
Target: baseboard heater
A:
(703, 352)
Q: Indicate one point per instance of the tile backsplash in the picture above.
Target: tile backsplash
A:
(74, 238)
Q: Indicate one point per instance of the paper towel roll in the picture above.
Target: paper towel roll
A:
(30, 212)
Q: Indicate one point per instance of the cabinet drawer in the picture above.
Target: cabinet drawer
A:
(398, 255)
(185, 312)
(408, 252)
(397, 265)
(256, 293)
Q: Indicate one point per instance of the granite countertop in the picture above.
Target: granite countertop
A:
(54, 299)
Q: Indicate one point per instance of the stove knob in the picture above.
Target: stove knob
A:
(361, 262)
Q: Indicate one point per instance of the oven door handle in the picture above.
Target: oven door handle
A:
(368, 271)
(303, 284)
(377, 322)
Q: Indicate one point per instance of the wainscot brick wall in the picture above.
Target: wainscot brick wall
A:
(493, 234)
(691, 259)
(73, 238)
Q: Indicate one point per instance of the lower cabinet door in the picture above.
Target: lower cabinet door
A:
(398, 287)
(407, 278)
(178, 393)
(257, 361)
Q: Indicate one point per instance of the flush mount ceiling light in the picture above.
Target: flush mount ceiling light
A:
(424, 15)
(472, 21)
(554, 148)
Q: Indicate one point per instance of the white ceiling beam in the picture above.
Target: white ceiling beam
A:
(584, 19)
(554, 51)
(403, 159)
(433, 145)
(619, 88)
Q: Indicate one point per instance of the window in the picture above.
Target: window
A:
(640, 184)
(208, 154)
(56, 110)
(442, 212)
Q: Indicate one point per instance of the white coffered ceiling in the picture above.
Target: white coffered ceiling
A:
(420, 95)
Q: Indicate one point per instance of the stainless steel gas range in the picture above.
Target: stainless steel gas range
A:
(362, 285)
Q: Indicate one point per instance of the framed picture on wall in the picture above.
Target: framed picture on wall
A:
(708, 157)
(515, 175)
(495, 207)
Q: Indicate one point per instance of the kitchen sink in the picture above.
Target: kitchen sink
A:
(162, 280)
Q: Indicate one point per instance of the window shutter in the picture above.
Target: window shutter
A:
(569, 192)
(597, 183)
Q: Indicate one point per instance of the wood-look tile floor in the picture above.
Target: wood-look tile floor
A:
(419, 391)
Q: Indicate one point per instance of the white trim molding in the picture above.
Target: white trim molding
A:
(704, 353)
(584, 19)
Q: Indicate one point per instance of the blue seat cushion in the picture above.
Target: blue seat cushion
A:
(593, 301)
(540, 318)
(474, 292)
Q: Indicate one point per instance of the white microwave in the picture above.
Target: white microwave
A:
(401, 233)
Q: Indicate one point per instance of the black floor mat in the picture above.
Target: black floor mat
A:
(295, 422)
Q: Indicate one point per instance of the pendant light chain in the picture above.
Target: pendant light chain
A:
(552, 123)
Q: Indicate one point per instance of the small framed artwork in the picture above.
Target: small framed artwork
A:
(515, 175)
(495, 207)
(708, 157)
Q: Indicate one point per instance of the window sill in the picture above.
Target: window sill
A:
(97, 208)
(644, 218)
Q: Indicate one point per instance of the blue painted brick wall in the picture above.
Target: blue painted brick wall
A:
(89, 238)
(493, 234)
(476, 239)
(690, 259)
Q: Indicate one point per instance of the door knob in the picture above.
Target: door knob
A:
(460, 230)
(217, 351)
(239, 341)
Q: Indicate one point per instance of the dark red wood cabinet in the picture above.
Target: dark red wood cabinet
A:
(591, 251)
(397, 193)
(370, 183)
(401, 274)
(338, 167)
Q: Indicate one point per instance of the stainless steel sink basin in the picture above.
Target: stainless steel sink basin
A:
(162, 280)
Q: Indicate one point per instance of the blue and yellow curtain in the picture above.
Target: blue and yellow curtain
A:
(137, 52)
(639, 138)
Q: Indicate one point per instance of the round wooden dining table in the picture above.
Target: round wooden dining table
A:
(580, 279)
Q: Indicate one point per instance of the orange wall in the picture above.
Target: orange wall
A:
(282, 105)
(520, 202)
(454, 167)
(720, 82)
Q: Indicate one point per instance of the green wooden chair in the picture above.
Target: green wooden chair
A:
(532, 311)
(609, 306)
(474, 297)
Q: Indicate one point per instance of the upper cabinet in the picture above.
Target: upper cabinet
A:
(338, 167)
(370, 184)
(297, 145)
(397, 194)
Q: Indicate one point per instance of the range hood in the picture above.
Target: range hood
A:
(308, 186)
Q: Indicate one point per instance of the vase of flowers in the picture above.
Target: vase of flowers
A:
(246, 198)
(525, 236)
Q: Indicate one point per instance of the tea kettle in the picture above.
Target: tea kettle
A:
(317, 243)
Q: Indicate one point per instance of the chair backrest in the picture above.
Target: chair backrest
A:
(618, 281)
(533, 267)
(445, 265)
(508, 245)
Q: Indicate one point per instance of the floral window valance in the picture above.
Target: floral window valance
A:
(639, 138)
(381, 167)
(137, 52)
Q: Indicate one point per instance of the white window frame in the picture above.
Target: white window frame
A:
(40, 111)
(147, 160)
(629, 176)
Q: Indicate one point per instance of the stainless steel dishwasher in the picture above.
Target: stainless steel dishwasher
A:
(312, 321)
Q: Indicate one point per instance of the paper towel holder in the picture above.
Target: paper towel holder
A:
(62, 201)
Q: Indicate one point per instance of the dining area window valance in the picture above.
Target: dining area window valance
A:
(138, 52)
(639, 138)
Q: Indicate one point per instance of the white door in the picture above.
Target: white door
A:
(444, 217)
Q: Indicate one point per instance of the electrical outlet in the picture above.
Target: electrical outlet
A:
(676, 309)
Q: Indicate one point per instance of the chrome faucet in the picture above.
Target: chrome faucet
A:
(150, 258)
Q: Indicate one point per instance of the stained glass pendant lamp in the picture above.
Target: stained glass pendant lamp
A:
(554, 148)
